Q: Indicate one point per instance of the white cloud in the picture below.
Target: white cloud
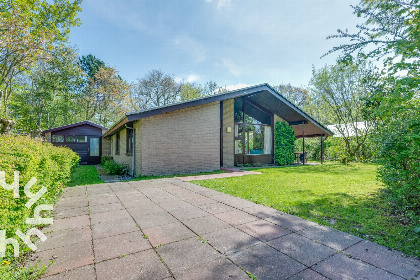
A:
(228, 63)
(191, 78)
(193, 47)
(220, 3)
(223, 3)
(237, 86)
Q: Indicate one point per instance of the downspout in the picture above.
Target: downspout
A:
(134, 149)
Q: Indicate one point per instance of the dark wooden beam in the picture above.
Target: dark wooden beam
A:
(298, 122)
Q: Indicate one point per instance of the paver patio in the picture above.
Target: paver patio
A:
(172, 229)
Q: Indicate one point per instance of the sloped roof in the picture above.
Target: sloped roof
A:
(74, 125)
(262, 94)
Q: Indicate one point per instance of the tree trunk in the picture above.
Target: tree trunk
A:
(6, 126)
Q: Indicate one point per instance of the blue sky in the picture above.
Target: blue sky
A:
(232, 42)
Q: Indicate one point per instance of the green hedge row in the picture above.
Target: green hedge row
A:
(32, 158)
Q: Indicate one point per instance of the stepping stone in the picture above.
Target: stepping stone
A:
(168, 233)
(81, 273)
(230, 240)
(263, 230)
(332, 238)
(236, 217)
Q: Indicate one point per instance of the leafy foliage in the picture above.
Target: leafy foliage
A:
(391, 32)
(50, 165)
(113, 168)
(297, 95)
(284, 144)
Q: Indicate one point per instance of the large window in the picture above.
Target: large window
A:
(57, 138)
(253, 129)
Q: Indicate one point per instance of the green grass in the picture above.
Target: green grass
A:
(84, 175)
(140, 178)
(346, 197)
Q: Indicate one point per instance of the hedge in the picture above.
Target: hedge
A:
(32, 158)
(284, 144)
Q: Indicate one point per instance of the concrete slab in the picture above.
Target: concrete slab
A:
(62, 212)
(186, 254)
(109, 216)
(265, 262)
(307, 274)
(81, 273)
(290, 222)
(220, 269)
(117, 246)
(340, 266)
(184, 214)
(304, 250)
(236, 217)
(94, 209)
(154, 220)
(68, 237)
(168, 233)
(66, 258)
(332, 238)
(216, 208)
(200, 201)
(230, 240)
(112, 228)
(69, 223)
(263, 230)
(385, 258)
(143, 265)
(206, 224)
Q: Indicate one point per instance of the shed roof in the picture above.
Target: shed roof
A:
(74, 125)
(263, 94)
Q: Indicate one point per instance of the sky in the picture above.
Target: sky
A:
(232, 42)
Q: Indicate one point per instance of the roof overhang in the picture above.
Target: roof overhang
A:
(263, 95)
(73, 125)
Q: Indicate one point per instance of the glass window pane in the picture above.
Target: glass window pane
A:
(258, 140)
(57, 138)
(70, 138)
(238, 146)
(82, 139)
(94, 147)
(238, 110)
(238, 130)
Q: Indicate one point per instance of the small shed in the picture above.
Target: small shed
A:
(84, 138)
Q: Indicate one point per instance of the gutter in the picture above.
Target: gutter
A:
(134, 149)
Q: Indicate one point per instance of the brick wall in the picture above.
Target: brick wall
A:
(121, 158)
(228, 144)
(106, 146)
(137, 147)
(181, 142)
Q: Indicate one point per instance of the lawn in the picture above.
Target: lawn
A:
(345, 197)
(84, 175)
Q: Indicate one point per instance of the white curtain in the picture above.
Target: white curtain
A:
(267, 140)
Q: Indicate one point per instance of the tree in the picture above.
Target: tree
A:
(338, 92)
(191, 90)
(29, 30)
(155, 89)
(105, 99)
(90, 65)
(297, 95)
(49, 94)
(391, 32)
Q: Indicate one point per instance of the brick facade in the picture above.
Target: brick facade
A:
(181, 142)
(228, 143)
(122, 157)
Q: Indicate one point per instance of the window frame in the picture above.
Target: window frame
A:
(117, 143)
(129, 142)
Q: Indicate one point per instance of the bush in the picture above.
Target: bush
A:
(32, 158)
(113, 168)
(284, 144)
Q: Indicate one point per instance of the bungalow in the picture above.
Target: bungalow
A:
(207, 133)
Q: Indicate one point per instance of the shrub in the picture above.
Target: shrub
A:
(32, 158)
(113, 168)
(284, 144)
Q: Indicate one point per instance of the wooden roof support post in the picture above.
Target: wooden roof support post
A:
(303, 143)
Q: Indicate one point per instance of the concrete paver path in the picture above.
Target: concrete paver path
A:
(171, 229)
